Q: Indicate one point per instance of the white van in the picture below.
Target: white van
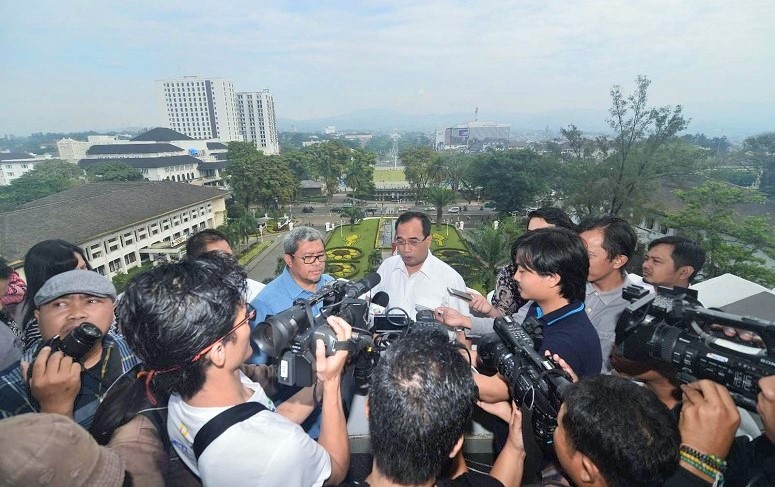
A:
(453, 209)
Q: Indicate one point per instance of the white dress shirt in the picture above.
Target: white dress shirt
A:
(426, 287)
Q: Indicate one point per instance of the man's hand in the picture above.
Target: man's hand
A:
(563, 365)
(329, 368)
(480, 303)
(55, 381)
(451, 317)
(709, 418)
(765, 405)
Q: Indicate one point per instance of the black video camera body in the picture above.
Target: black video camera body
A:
(291, 334)
(671, 327)
(536, 383)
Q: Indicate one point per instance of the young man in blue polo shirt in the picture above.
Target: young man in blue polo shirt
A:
(552, 266)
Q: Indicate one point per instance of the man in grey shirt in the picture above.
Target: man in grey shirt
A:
(610, 243)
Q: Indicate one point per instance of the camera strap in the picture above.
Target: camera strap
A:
(223, 421)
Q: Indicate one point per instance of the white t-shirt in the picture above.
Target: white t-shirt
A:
(267, 449)
(426, 287)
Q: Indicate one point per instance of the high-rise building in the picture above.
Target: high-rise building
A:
(257, 120)
(202, 108)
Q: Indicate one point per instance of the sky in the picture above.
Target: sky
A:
(80, 65)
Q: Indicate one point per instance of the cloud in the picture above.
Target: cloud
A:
(325, 58)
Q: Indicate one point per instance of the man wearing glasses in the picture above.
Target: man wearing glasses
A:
(305, 261)
(415, 276)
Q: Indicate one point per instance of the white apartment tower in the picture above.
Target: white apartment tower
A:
(202, 108)
(257, 120)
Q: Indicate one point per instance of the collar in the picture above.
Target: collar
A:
(426, 268)
(558, 314)
(607, 297)
(292, 288)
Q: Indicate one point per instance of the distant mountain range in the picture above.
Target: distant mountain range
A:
(735, 126)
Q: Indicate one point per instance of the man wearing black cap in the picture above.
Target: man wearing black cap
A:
(58, 383)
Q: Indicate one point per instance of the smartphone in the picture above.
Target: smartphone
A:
(460, 294)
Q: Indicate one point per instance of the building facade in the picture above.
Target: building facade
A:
(257, 120)
(14, 164)
(119, 225)
(474, 136)
(201, 108)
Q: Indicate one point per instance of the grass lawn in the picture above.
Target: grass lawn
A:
(443, 239)
(253, 252)
(361, 237)
(389, 176)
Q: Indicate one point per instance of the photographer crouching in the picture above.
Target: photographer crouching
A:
(188, 322)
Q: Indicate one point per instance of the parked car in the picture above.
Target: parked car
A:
(430, 208)
(307, 209)
(403, 208)
(336, 209)
(453, 209)
(489, 204)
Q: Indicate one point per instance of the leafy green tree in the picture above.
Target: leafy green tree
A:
(257, 178)
(46, 178)
(421, 166)
(327, 161)
(359, 172)
(113, 171)
(353, 213)
(440, 197)
(513, 179)
(380, 145)
(456, 168)
(298, 162)
(730, 240)
(759, 150)
(619, 175)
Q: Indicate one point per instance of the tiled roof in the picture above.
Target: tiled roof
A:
(161, 134)
(88, 211)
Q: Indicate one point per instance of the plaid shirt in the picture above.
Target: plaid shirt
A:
(16, 399)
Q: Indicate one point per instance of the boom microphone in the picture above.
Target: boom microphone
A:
(365, 284)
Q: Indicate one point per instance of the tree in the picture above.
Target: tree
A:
(619, 175)
(760, 153)
(456, 168)
(353, 213)
(490, 250)
(513, 179)
(730, 240)
(257, 178)
(113, 171)
(327, 161)
(359, 172)
(46, 178)
(440, 197)
(421, 166)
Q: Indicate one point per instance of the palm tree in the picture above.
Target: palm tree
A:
(440, 197)
(490, 250)
(353, 213)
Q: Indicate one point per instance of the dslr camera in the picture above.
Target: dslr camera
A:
(671, 327)
(75, 344)
(291, 334)
(536, 383)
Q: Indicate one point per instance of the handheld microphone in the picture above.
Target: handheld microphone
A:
(379, 303)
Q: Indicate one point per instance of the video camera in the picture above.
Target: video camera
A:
(671, 327)
(291, 334)
(536, 383)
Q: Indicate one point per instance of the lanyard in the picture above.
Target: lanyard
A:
(540, 313)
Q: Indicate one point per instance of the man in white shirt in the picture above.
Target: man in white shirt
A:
(415, 276)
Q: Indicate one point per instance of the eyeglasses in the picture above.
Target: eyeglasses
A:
(412, 242)
(250, 314)
(311, 259)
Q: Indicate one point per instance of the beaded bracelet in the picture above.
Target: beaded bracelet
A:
(706, 469)
(714, 461)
